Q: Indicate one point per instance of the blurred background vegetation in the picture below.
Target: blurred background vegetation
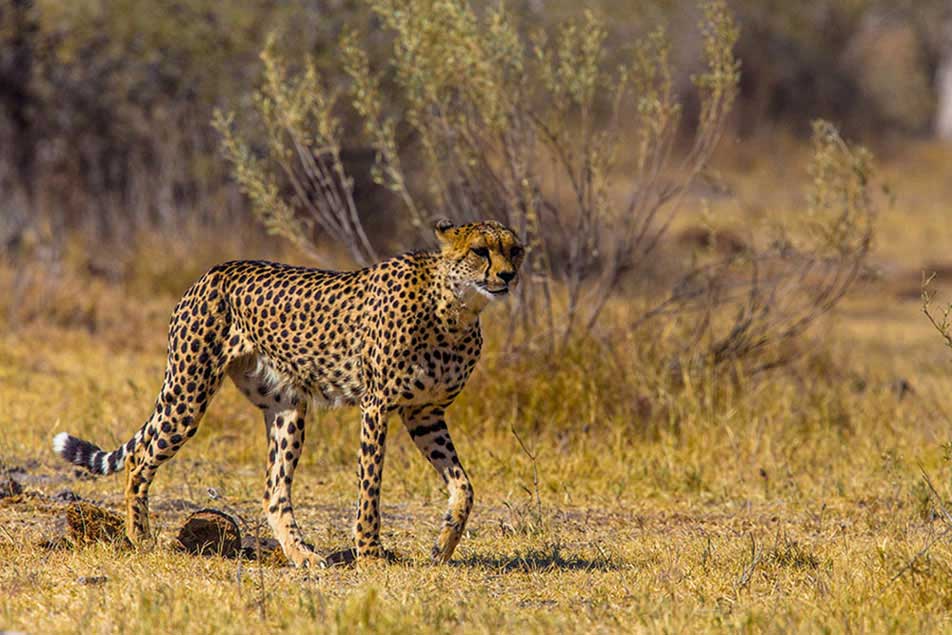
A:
(111, 163)
(105, 105)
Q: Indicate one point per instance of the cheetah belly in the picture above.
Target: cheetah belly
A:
(336, 383)
(327, 382)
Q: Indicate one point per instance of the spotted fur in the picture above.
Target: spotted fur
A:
(400, 336)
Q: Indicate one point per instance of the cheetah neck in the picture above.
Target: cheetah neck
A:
(470, 299)
(460, 302)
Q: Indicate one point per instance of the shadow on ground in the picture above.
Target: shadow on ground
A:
(536, 560)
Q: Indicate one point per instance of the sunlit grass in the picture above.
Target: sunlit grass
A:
(706, 502)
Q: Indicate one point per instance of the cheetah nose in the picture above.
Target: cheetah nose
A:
(507, 276)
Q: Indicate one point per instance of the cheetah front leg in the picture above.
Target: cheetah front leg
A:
(427, 427)
(373, 437)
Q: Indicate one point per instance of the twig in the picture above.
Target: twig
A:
(944, 327)
(535, 469)
(744, 580)
(946, 519)
(262, 596)
(916, 557)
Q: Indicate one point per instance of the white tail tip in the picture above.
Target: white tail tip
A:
(59, 442)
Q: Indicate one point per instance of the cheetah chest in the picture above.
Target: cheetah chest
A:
(435, 375)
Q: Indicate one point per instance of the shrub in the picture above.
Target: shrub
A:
(527, 130)
(531, 127)
(752, 304)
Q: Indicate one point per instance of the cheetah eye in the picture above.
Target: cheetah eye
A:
(516, 252)
(482, 252)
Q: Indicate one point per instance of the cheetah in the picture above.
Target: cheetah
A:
(401, 336)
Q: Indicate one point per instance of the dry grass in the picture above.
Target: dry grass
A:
(697, 503)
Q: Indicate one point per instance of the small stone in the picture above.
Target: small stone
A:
(208, 532)
(67, 496)
(55, 543)
(342, 558)
(9, 487)
(90, 524)
(92, 580)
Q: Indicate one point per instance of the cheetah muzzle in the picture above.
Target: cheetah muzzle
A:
(401, 336)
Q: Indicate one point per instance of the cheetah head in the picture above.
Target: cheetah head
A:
(483, 257)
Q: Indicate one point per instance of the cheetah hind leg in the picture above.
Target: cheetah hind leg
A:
(163, 437)
(284, 416)
(179, 409)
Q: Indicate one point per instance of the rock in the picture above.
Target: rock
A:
(210, 532)
(89, 524)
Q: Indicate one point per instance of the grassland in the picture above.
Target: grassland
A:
(790, 502)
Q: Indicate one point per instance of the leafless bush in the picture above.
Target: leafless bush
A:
(753, 303)
(304, 151)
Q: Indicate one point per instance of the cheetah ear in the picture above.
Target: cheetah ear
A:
(442, 228)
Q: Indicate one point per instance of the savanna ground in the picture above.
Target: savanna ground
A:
(793, 501)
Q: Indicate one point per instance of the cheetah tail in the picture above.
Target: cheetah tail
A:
(92, 457)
